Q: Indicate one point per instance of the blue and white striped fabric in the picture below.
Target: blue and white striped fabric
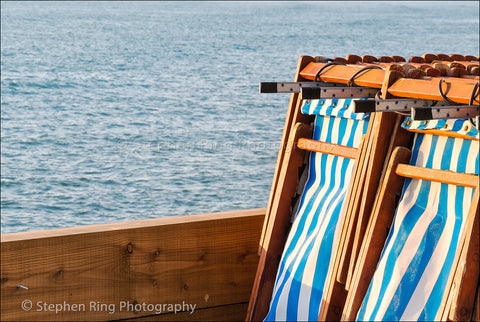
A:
(411, 276)
(333, 107)
(308, 251)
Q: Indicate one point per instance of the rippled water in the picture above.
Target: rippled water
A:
(115, 111)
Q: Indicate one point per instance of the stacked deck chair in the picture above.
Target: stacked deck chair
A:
(347, 152)
(330, 209)
(311, 219)
(308, 251)
(429, 262)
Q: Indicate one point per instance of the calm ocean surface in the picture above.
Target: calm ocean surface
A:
(115, 111)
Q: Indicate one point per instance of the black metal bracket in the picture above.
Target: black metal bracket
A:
(446, 112)
(291, 87)
(338, 92)
(392, 105)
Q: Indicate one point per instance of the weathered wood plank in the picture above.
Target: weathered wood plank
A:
(204, 260)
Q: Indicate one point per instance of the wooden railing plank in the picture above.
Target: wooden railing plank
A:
(207, 260)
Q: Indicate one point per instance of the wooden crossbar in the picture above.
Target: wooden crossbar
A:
(328, 148)
(342, 74)
(443, 176)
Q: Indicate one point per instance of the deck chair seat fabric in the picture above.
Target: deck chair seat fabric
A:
(308, 250)
(410, 278)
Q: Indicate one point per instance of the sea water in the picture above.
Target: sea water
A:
(116, 111)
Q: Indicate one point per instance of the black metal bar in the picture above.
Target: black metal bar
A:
(445, 112)
(392, 105)
(291, 87)
(338, 92)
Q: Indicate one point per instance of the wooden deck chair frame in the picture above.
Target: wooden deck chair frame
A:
(370, 160)
(293, 117)
(459, 298)
(386, 133)
(299, 142)
(277, 218)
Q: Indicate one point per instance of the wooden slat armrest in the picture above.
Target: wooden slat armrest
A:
(443, 176)
(329, 148)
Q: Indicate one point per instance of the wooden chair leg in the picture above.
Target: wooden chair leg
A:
(460, 298)
(293, 117)
(335, 294)
(376, 234)
(400, 137)
(476, 313)
(382, 134)
(463, 303)
(354, 205)
(361, 206)
(277, 229)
